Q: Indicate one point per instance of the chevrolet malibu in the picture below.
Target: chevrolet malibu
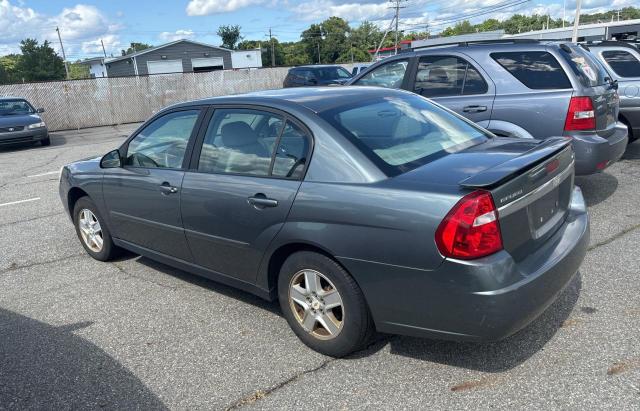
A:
(358, 209)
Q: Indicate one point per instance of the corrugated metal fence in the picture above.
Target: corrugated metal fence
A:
(106, 101)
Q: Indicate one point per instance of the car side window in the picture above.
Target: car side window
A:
(291, 154)
(622, 63)
(163, 142)
(440, 76)
(537, 70)
(388, 75)
(240, 141)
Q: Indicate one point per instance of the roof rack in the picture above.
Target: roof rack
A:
(481, 42)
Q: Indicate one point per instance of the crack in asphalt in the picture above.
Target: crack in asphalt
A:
(31, 219)
(130, 275)
(15, 267)
(613, 237)
(260, 394)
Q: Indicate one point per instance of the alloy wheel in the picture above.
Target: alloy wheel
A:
(316, 304)
(90, 230)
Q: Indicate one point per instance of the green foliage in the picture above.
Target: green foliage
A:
(230, 35)
(135, 47)
(39, 62)
(78, 71)
(8, 69)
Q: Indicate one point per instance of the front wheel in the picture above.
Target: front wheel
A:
(323, 304)
(46, 141)
(92, 231)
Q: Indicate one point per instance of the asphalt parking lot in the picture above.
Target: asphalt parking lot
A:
(77, 333)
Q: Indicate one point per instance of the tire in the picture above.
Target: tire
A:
(352, 323)
(108, 250)
(46, 141)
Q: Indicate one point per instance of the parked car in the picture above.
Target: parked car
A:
(319, 75)
(21, 123)
(622, 61)
(524, 89)
(359, 209)
(359, 68)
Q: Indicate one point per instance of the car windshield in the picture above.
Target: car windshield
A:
(332, 73)
(401, 133)
(15, 107)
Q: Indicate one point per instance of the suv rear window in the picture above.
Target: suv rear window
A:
(400, 133)
(537, 70)
(584, 65)
(622, 63)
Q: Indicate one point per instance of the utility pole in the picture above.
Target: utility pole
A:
(103, 50)
(618, 15)
(576, 22)
(64, 57)
(273, 53)
(564, 12)
(397, 19)
(319, 61)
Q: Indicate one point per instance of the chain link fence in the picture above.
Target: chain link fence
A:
(106, 101)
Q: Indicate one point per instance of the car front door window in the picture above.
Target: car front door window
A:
(162, 143)
(441, 76)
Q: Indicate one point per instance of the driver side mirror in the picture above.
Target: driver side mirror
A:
(111, 160)
(40, 110)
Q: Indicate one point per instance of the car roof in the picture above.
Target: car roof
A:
(316, 99)
(7, 98)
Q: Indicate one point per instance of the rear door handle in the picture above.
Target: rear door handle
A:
(166, 188)
(474, 109)
(261, 201)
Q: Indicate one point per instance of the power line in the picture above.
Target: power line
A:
(397, 7)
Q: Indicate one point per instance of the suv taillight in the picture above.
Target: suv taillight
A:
(581, 115)
(471, 229)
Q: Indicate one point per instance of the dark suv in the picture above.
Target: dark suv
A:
(527, 89)
(316, 76)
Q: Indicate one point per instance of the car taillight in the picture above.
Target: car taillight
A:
(471, 229)
(581, 115)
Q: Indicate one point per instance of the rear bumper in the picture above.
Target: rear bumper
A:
(481, 300)
(25, 136)
(595, 153)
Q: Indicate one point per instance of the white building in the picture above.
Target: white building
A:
(97, 67)
(246, 59)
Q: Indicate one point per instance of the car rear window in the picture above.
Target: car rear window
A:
(622, 63)
(331, 73)
(401, 133)
(537, 70)
(584, 65)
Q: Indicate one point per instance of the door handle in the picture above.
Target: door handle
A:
(261, 201)
(474, 109)
(166, 188)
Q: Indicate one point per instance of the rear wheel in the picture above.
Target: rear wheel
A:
(92, 231)
(323, 304)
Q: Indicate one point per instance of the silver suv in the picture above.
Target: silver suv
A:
(622, 61)
(521, 88)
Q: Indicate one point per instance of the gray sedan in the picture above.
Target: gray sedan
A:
(21, 123)
(359, 209)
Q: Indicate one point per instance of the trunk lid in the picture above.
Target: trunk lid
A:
(531, 182)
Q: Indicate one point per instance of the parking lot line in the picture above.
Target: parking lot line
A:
(20, 201)
(44, 174)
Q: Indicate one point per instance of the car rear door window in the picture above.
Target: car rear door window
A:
(623, 63)
(441, 76)
(537, 70)
(253, 142)
(388, 75)
(163, 142)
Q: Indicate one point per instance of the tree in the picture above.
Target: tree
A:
(329, 39)
(230, 35)
(39, 62)
(8, 66)
(136, 47)
(78, 71)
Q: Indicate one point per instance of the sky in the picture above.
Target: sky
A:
(83, 24)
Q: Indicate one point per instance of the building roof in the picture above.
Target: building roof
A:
(392, 47)
(568, 30)
(141, 52)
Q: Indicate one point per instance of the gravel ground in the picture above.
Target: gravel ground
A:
(76, 333)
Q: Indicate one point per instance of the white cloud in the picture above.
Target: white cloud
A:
(111, 43)
(169, 36)
(208, 7)
(81, 28)
(322, 9)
